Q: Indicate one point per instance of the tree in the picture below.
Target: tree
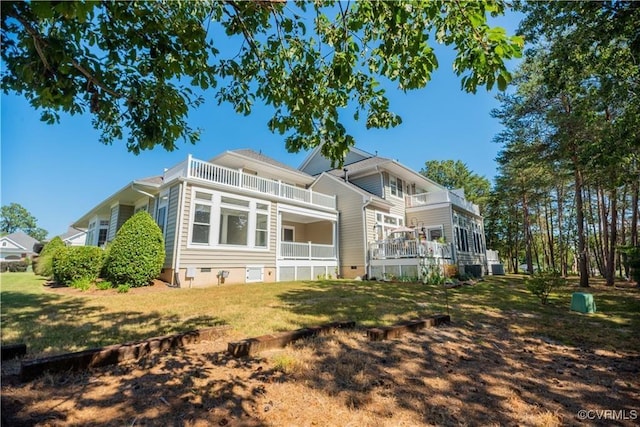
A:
(15, 217)
(456, 174)
(133, 65)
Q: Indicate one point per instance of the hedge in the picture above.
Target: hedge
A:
(136, 255)
(43, 264)
(79, 262)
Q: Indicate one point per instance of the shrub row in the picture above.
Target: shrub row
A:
(134, 258)
(14, 266)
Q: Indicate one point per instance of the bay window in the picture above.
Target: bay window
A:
(228, 220)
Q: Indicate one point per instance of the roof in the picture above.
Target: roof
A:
(22, 239)
(249, 153)
(317, 151)
(372, 198)
(71, 232)
(151, 180)
(361, 165)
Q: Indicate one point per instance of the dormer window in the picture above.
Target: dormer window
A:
(395, 185)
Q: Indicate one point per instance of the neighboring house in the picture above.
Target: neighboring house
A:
(393, 219)
(74, 237)
(240, 216)
(16, 246)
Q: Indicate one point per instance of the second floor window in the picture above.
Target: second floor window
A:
(395, 186)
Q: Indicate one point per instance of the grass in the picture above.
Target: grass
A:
(51, 322)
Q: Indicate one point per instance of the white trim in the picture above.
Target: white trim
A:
(307, 212)
(216, 205)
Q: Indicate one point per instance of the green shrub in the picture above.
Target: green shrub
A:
(75, 263)
(14, 266)
(136, 255)
(543, 283)
(84, 284)
(123, 289)
(43, 265)
(104, 285)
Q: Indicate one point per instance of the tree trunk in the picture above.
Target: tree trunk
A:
(527, 233)
(582, 249)
(635, 189)
(611, 259)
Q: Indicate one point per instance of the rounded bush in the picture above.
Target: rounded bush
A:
(71, 264)
(43, 265)
(136, 255)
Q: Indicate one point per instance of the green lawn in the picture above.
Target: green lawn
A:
(51, 322)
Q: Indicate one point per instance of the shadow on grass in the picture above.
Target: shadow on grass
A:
(51, 324)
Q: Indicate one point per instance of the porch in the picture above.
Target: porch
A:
(407, 259)
(436, 197)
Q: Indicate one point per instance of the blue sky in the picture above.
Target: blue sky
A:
(59, 172)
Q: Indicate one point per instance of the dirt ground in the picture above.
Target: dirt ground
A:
(459, 374)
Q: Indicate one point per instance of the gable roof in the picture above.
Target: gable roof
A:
(318, 152)
(372, 198)
(71, 232)
(22, 240)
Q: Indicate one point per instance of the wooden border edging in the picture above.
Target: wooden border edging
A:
(12, 351)
(103, 356)
(251, 346)
(395, 331)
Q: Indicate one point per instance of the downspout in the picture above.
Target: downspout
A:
(367, 202)
(175, 262)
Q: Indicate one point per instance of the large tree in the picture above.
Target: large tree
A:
(15, 217)
(134, 65)
(456, 174)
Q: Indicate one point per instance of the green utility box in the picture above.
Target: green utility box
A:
(583, 303)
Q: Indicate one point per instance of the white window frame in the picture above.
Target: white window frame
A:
(384, 227)
(216, 206)
(396, 186)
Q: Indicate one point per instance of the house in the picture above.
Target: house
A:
(16, 246)
(74, 237)
(393, 220)
(240, 217)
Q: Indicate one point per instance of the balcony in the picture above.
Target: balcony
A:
(310, 251)
(208, 172)
(426, 199)
(398, 248)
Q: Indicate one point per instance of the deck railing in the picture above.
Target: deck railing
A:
(198, 169)
(435, 197)
(294, 250)
(397, 248)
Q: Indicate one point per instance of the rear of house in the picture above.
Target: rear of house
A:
(239, 218)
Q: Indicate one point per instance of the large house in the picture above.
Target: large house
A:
(243, 217)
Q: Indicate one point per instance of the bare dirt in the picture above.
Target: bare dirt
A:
(474, 373)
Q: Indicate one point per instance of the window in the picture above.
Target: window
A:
(395, 185)
(234, 226)
(288, 233)
(226, 220)
(162, 218)
(102, 236)
(385, 223)
(201, 224)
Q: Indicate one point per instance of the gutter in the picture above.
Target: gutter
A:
(367, 202)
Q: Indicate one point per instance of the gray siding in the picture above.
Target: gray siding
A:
(370, 183)
(319, 163)
(171, 222)
(351, 226)
(119, 215)
(223, 258)
(434, 217)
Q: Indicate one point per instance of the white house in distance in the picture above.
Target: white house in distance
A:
(74, 237)
(16, 246)
(243, 217)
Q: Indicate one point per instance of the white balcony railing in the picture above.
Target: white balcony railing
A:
(397, 248)
(493, 257)
(294, 250)
(436, 197)
(198, 169)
